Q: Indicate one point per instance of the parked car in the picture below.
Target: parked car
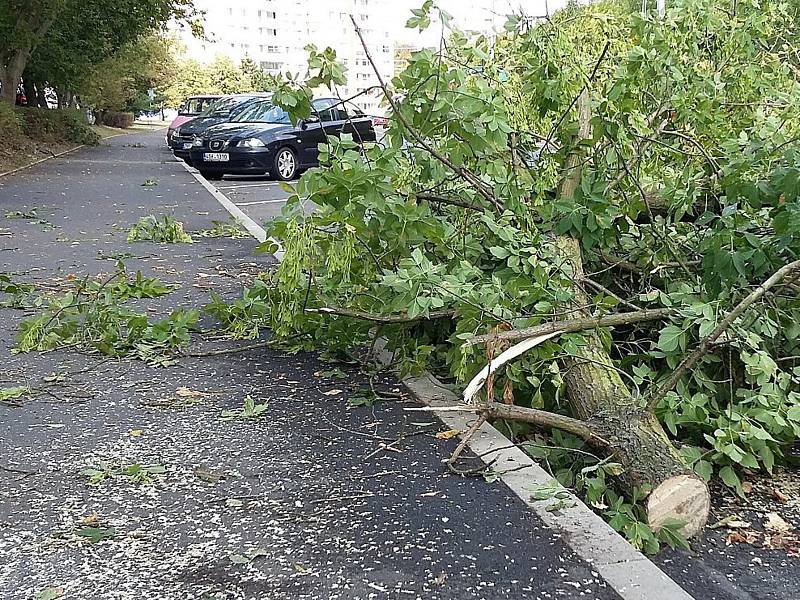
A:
(261, 139)
(193, 107)
(219, 112)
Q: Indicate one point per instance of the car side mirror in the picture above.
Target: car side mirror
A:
(309, 121)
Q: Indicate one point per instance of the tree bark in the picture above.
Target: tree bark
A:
(11, 74)
(598, 396)
(13, 60)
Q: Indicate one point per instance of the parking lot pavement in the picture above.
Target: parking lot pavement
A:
(302, 502)
(260, 198)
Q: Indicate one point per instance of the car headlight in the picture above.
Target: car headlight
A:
(251, 143)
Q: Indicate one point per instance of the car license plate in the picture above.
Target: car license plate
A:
(187, 145)
(216, 157)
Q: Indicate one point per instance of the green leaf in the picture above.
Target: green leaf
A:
(97, 534)
(49, 593)
(731, 479)
(670, 338)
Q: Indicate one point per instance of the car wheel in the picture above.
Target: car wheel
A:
(212, 176)
(284, 166)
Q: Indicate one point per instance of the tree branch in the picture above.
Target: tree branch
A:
(706, 343)
(547, 420)
(384, 319)
(575, 325)
(465, 174)
(451, 202)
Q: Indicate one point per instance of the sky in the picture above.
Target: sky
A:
(467, 14)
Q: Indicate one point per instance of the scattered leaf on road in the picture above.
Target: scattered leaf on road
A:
(49, 593)
(97, 534)
(446, 435)
(731, 522)
(206, 474)
(774, 522)
(780, 496)
(184, 392)
(92, 520)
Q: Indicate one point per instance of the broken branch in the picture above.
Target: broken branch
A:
(706, 343)
(575, 325)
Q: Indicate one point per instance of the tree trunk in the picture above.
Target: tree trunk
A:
(598, 396)
(12, 65)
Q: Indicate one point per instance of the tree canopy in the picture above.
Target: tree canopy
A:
(60, 40)
(598, 168)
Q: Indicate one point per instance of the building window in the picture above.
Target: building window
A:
(269, 65)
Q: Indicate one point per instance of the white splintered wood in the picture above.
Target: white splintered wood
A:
(509, 355)
(682, 497)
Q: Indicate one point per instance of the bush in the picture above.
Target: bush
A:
(121, 120)
(56, 126)
(10, 125)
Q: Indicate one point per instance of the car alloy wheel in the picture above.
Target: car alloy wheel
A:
(285, 164)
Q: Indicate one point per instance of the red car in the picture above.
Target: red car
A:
(188, 111)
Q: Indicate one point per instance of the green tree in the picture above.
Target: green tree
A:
(139, 66)
(621, 190)
(260, 80)
(62, 39)
(227, 78)
(23, 26)
(191, 78)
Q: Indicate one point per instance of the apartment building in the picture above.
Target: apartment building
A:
(274, 34)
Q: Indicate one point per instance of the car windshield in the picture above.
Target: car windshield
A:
(195, 106)
(262, 112)
(221, 107)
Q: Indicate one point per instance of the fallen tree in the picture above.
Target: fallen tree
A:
(514, 198)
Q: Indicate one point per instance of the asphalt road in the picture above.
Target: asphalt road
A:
(305, 502)
(714, 569)
(259, 197)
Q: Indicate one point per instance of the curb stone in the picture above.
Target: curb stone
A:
(626, 570)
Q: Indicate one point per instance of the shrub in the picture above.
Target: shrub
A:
(10, 125)
(121, 120)
(56, 126)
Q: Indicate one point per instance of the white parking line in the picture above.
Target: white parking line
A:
(254, 228)
(279, 201)
(246, 185)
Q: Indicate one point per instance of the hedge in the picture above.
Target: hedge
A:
(121, 120)
(54, 126)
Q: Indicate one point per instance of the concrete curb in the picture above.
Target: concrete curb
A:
(41, 160)
(632, 575)
(626, 570)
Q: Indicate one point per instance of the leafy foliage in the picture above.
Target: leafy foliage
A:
(251, 410)
(159, 229)
(243, 318)
(688, 198)
(93, 317)
(221, 229)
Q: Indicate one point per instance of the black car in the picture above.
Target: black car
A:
(261, 139)
(219, 112)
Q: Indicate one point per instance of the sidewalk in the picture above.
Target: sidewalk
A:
(304, 502)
